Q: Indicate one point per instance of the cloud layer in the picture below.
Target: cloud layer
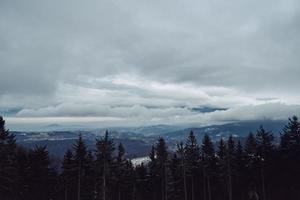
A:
(136, 62)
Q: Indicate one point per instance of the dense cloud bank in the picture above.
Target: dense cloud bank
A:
(132, 62)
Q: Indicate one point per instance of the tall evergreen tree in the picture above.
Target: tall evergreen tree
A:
(289, 152)
(89, 179)
(250, 145)
(290, 139)
(104, 162)
(162, 161)
(192, 158)
(154, 174)
(230, 156)
(222, 168)
(175, 179)
(130, 185)
(265, 149)
(252, 164)
(221, 149)
(208, 159)
(142, 182)
(264, 140)
(68, 176)
(80, 153)
(183, 167)
(7, 158)
(121, 173)
(239, 171)
(41, 176)
(21, 176)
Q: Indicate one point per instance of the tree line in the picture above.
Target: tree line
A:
(258, 168)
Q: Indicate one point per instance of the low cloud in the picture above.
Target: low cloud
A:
(136, 62)
(140, 115)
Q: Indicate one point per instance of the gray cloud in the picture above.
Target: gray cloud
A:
(146, 60)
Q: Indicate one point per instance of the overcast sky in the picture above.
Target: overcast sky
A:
(141, 62)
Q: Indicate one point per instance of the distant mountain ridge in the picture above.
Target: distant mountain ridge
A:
(237, 129)
(138, 140)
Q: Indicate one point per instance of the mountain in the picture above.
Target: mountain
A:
(58, 142)
(237, 129)
(138, 140)
(155, 130)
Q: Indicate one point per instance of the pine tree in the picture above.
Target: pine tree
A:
(104, 161)
(68, 176)
(80, 153)
(229, 163)
(290, 139)
(250, 145)
(289, 152)
(130, 185)
(221, 149)
(192, 158)
(226, 155)
(162, 160)
(7, 158)
(120, 173)
(154, 184)
(142, 182)
(252, 163)
(175, 180)
(21, 166)
(89, 180)
(239, 171)
(208, 159)
(265, 145)
(183, 167)
(41, 175)
(222, 167)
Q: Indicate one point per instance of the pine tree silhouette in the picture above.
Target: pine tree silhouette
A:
(7, 158)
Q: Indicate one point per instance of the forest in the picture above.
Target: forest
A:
(257, 168)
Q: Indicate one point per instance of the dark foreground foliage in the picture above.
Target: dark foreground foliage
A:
(257, 169)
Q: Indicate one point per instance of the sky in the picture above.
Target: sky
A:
(138, 62)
